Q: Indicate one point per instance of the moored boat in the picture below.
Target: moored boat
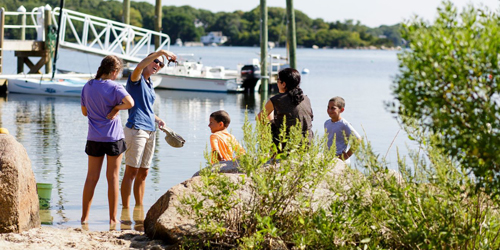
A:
(47, 86)
(63, 85)
(191, 75)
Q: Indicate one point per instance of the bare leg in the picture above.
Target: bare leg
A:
(128, 179)
(93, 173)
(112, 175)
(140, 186)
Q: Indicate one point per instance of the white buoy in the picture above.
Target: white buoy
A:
(305, 71)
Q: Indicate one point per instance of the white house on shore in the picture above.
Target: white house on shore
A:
(214, 37)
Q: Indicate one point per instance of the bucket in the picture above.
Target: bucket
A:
(44, 193)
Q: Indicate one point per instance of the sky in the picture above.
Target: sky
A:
(372, 13)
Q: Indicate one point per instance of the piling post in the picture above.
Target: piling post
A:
(126, 11)
(47, 23)
(22, 20)
(263, 47)
(158, 28)
(126, 20)
(2, 24)
(291, 38)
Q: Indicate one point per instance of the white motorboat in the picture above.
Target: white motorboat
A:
(193, 76)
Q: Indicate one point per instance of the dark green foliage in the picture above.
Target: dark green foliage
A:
(449, 81)
(242, 28)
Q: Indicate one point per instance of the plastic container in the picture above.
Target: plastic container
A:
(44, 194)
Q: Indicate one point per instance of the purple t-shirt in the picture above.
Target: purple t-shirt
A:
(100, 97)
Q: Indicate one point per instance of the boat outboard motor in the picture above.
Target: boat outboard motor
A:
(250, 75)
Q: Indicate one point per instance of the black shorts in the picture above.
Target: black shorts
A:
(97, 148)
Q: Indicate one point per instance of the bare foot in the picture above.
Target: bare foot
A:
(113, 221)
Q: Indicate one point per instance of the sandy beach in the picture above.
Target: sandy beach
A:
(77, 238)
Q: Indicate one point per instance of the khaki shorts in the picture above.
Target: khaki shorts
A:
(140, 147)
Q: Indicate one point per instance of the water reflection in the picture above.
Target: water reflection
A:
(53, 131)
(187, 102)
(46, 217)
(3, 99)
(137, 220)
(37, 129)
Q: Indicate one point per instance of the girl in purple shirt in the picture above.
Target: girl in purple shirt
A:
(101, 100)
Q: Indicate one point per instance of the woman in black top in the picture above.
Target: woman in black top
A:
(290, 103)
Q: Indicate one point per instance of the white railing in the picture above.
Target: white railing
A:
(106, 37)
(97, 35)
(33, 15)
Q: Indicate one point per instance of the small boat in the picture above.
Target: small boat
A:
(46, 86)
(191, 75)
(62, 85)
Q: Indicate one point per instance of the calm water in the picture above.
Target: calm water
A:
(53, 130)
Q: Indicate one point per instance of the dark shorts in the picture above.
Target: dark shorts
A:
(97, 148)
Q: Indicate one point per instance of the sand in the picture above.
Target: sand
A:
(76, 238)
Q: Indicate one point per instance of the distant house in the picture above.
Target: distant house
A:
(198, 23)
(214, 37)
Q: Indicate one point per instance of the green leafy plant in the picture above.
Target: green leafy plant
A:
(449, 81)
(296, 200)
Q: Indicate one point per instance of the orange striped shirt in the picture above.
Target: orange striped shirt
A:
(224, 146)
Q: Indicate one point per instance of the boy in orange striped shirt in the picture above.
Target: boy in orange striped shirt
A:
(224, 145)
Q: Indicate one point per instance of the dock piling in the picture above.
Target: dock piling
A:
(291, 37)
(263, 47)
(2, 35)
(47, 23)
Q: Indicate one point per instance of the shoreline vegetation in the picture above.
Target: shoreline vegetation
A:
(242, 28)
(444, 196)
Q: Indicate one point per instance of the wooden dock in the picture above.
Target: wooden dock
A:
(24, 49)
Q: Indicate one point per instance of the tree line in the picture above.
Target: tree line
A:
(242, 28)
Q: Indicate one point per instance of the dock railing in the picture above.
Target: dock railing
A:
(85, 33)
(104, 37)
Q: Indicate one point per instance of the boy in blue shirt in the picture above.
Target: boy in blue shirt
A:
(339, 128)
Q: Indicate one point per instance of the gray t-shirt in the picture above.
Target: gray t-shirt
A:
(337, 129)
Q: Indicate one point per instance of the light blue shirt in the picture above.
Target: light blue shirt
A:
(141, 116)
(336, 130)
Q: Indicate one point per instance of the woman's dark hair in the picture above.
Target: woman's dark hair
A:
(292, 79)
(109, 64)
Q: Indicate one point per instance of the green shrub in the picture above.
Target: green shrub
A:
(430, 204)
(449, 80)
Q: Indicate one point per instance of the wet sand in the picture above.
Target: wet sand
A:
(47, 237)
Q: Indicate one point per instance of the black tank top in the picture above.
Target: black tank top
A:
(283, 106)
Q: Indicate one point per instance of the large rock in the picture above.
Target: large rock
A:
(163, 220)
(18, 195)
(228, 167)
